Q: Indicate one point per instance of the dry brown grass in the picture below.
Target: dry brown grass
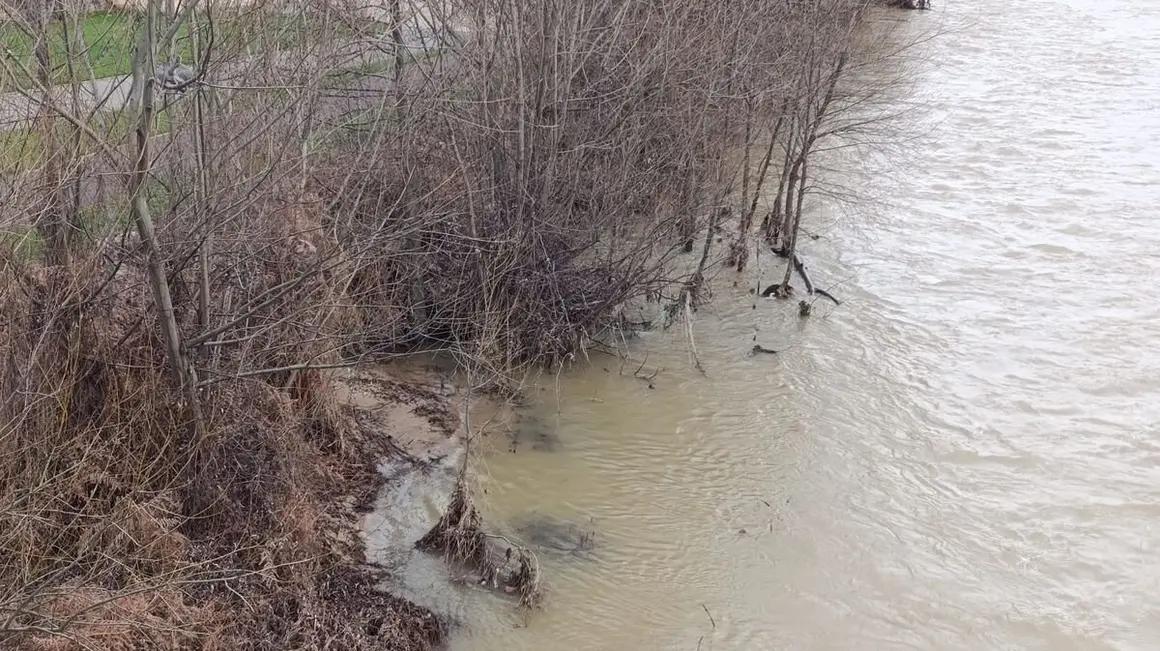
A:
(118, 530)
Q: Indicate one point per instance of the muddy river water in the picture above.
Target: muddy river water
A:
(964, 456)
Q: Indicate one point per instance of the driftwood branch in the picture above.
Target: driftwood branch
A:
(799, 266)
(711, 620)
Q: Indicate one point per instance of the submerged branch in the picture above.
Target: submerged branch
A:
(781, 291)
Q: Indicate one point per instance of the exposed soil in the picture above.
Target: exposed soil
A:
(419, 422)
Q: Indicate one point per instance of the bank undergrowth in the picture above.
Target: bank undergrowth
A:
(171, 444)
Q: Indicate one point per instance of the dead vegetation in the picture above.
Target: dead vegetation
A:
(180, 276)
(459, 532)
(460, 537)
(120, 530)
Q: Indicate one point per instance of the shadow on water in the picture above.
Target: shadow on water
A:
(554, 536)
(535, 432)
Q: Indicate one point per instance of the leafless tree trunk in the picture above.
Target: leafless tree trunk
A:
(52, 219)
(202, 188)
(749, 209)
(400, 50)
(144, 82)
(821, 81)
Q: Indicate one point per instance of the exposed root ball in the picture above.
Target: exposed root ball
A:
(524, 579)
(459, 535)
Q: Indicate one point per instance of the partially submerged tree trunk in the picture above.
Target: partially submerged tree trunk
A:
(739, 250)
(792, 230)
(775, 220)
(748, 211)
(818, 96)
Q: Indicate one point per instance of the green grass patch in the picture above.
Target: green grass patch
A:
(103, 219)
(22, 243)
(102, 44)
(92, 223)
(20, 150)
(24, 149)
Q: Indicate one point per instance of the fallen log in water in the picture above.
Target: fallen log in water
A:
(909, 4)
(799, 266)
(822, 292)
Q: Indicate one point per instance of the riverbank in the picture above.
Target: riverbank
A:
(277, 560)
(184, 384)
(960, 457)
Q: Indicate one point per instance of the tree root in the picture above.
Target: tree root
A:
(459, 535)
